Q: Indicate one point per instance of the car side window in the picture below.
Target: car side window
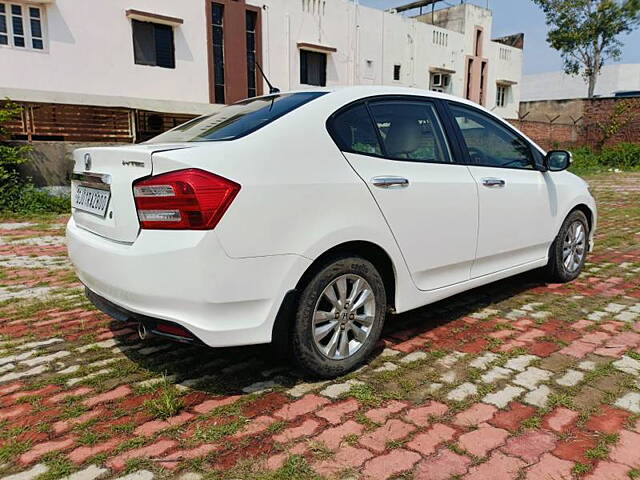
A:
(410, 130)
(355, 132)
(489, 143)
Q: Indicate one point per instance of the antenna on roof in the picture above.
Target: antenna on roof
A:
(272, 89)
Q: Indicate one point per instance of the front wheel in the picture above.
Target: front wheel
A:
(568, 252)
(339, 318)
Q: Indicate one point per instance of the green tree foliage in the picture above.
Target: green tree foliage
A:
(587, 32)
(18, 195)
(10, 156)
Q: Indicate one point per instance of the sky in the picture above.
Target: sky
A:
(515, 16)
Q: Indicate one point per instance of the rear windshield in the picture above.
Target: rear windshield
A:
(237, 120)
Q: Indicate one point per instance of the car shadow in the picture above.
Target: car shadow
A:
(249, 369)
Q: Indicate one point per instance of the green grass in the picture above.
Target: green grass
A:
(11, 450)
(166, 404)
(217, 432)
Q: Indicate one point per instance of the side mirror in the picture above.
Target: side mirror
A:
(558, 160)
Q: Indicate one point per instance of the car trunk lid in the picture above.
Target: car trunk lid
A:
(102, 187)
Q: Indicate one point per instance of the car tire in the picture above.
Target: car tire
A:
(561, 268)
(335, 327)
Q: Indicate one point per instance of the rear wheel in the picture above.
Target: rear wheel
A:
(339, 317)
(568, 252)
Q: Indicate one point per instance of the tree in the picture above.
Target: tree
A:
(586, 32)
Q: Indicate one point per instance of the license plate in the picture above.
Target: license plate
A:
(92, 200)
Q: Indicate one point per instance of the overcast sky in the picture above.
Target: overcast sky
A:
(514, 16)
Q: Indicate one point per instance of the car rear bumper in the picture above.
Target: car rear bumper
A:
(186, 278)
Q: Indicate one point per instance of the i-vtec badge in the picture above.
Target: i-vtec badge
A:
(131, 163)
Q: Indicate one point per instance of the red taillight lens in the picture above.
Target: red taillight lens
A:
(189, 199)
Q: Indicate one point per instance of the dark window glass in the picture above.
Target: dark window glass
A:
(165, 56)
(410, 130)
(353, 130)
(490, 143)
(4, 37)
(34, 12)
(153, 44)
(18, 26)
(396, 72)
(237, 120)
(313, 68)
(36, 29)
(217, 20)
(251, 20)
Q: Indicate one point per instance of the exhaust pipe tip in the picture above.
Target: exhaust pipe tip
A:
(143, 333)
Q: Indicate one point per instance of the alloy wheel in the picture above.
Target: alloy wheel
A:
(343, 316)
(574, 246)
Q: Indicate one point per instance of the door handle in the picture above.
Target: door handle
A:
(493, 182)
(390, 182)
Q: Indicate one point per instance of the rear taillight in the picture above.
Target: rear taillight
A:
(189, 199)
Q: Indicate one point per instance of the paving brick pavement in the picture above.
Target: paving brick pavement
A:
(515, 380)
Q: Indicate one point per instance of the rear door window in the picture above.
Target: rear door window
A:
(237, 120)
(410, 130)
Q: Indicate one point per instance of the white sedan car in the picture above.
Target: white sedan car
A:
(303, 218)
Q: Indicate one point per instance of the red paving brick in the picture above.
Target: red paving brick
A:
(550, 467)
(308, 427)
(530, 446)
(392, 463)
(422, 416)
(335, 412)
(426, 442)
(512, 418)
(332, 437)
(347, 457)
(442, 466)
(42, 449)
(626, 451)
(380, 415)
(475, 415)
(608, 420)
(498, 467)
(481, 441)
(391, 431)
(560, 420)
(609, 471)
(156, 449)
(306, 404)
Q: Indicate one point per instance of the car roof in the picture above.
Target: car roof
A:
(343, 95)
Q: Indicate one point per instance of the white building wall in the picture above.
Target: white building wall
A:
(90, 51)
(559, 86)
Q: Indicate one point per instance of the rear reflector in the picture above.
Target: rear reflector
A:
(173, 330)
(189, 199)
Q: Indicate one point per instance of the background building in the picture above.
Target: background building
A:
(559, 86)
(125, 70)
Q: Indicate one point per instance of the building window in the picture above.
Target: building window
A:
(21, 26)
(396, 72)
(217, 19)
(440, 38)
(440, 82)
(153, 44)
(313, 68)
(502, 96)
(251, 21)
(478, 42)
